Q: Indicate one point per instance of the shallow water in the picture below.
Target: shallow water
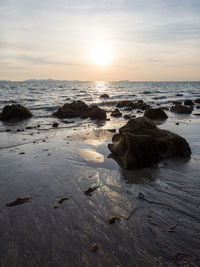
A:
(66, 161)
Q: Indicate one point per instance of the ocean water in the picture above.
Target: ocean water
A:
(43, 97)
(161, 230)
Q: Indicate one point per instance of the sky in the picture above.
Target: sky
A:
(138, 40)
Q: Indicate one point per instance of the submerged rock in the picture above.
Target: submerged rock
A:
(140, 143)
(124, 103)
(80, 109)
(155, 114)
(181, 109)
(15, 113)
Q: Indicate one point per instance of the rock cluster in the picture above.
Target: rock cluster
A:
(80, 109)
(140, 143)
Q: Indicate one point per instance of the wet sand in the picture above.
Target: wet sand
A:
(158, 207)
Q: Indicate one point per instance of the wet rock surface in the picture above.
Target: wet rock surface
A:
(15, 113)
(141, 143)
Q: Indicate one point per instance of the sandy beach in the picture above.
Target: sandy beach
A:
(161, 228)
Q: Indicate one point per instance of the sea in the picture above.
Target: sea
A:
(43, 97)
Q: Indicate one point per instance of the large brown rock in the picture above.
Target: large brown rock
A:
(140, 143)
(80, 109)
(155, 114)
(72, 110)
(15, 113)
(181, 109)
(97, 113)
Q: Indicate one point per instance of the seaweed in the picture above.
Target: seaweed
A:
(60, 201)
(91, 189)
(112, 219)
(18, 201)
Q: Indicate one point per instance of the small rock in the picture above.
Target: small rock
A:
(179, 94)
(104, 96)
(116, 113)
(127, 117)
(197, 101)
(181, 109)
(22, 153)
(55, 125)
(112, 130)
(177, 123)
(188, 102)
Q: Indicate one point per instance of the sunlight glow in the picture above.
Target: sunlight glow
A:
(101, 54)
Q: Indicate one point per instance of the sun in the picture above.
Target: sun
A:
(101, 54)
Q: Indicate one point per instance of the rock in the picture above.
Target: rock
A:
(80, 109)
(18, 201)
(72, 110)
(140, 143)
(15, 113)
(164, 108)
(116, 113)
(127, 117)
(128, 108)
(197, 101)
(140, 104)
(55, 125)
(97, 113)
(176, 103)
(129, 104)
(124, 103)
(188, 102)
(155, 114)
(179, 94)
(104, 96)
(181, 109)
(111, 130)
